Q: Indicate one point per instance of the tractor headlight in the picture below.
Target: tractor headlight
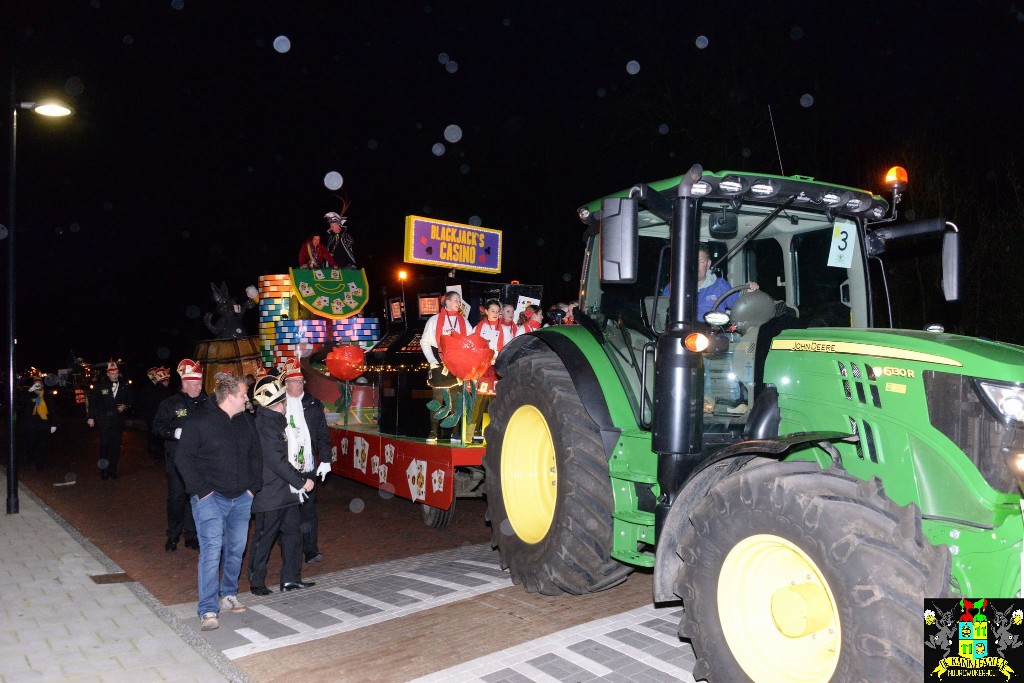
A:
(1004, 399)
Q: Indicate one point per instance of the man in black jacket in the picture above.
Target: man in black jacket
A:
(108, 409)
(309, 450)
(276, 506)
(219, 460)
(170, 418)
(151, 395)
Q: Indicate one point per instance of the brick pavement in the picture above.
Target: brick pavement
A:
(58, 623)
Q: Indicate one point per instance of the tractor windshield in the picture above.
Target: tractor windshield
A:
(802, 284)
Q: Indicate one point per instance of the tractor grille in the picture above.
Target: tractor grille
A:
(956, 410)
(859, 387)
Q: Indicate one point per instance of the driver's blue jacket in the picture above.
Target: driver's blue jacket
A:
(707, 295)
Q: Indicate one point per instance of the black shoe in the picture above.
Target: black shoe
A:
(315, 557)
(296, 585)
(171, 545)
(260, 590)
(192, 543)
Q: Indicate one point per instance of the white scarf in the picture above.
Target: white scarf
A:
(298, 435)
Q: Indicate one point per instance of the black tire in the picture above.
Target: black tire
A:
(571, 553)
(436, 518)
(867, 552)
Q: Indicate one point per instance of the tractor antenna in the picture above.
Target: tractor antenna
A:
(775, 135)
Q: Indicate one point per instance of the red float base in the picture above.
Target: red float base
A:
(408, 468)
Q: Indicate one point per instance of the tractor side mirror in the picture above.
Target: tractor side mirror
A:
(619, 240)
(951, 265)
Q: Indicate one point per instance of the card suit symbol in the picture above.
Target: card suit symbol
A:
(487, 250)
(423, 240)
(482, 258)
(429, 250)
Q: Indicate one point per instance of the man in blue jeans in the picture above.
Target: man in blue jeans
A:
(220, 462)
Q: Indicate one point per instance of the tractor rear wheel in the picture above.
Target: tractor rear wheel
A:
(791, 573)
(549, 495)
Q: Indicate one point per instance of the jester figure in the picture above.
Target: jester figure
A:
(968, 606)
(339, 242)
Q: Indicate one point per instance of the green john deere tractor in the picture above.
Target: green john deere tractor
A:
(798, 476)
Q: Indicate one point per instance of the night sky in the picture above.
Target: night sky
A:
(200, 141)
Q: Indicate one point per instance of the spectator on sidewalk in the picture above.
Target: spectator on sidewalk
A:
(171, 416)
(151, 395)
(108, 409)
(36, 425)
(220, 462)
(276, 506)
(309, 450)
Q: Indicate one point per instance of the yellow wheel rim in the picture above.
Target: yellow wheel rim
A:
(777, 611)
(529, 477)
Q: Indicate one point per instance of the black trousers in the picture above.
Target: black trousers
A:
(179, 509)
(110, 444)
(283, 521)
(307, 514)
(33, 445)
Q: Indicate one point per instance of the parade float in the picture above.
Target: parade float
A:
(371, 373)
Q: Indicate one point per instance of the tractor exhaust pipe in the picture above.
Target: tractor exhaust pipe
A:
(678, 415)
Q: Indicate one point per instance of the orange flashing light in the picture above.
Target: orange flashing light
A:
(896, 177)
(696, 342)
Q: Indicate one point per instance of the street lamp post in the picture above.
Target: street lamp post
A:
(50, 108)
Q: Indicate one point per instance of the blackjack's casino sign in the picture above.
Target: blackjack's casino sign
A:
(971, 639)
(452, 245)
(331, 292)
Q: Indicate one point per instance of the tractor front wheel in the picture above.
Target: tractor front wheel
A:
(549, 495)
(791, 573)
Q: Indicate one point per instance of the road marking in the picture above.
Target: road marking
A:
(283, 619)
(252, 636)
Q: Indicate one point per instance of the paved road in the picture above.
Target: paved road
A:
(323, 632)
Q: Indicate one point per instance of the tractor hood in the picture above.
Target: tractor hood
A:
(936, 351)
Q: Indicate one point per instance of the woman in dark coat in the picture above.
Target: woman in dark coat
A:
(276, 506)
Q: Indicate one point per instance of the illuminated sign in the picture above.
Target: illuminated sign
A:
(452, 245)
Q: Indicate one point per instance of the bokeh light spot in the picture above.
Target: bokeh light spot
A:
(282, 44)
(452, 133)
(74, 86)
(333, 180)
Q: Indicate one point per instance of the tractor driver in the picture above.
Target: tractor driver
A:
(709, 286)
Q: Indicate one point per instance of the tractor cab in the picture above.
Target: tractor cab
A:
(805, 244)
